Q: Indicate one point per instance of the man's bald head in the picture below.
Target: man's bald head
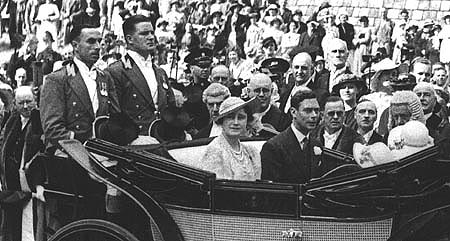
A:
(25, 100)
(302, 68)
(260, 86)
(221, 74)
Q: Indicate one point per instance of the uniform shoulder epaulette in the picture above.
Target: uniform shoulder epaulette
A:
(126, 61)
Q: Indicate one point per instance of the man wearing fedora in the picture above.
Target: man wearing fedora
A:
(350, 88)
(303, 76)
(73, 96)
(293, 156)
(142, 87)
(333, 134)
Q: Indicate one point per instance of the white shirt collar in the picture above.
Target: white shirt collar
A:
(300, 137)
(85, 72)
(215, 130)
(139, 58)
(24, 120)
(367, 136)
(330, 139)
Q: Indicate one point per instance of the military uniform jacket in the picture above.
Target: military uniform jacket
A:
(134, 93)
(66, 106)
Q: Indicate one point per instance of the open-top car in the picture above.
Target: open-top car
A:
(407, 199)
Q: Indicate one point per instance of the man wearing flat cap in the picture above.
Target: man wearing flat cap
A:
(142, 87)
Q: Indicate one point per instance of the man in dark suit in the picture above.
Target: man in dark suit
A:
(365, 116)
(333, 134)
(346, 31)
(142, 88)
(311, 39)
(20, 141)
(75, 95)
(303, 76)
(292, 156)
(261, 87)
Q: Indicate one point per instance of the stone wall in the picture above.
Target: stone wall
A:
(418, 9)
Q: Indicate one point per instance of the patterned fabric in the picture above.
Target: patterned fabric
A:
(227, 164)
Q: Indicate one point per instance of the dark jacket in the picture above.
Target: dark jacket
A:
(319, 86)
(275, 117)
(66, 105)
(347, 33)
(375, 138)
(345, 140)
(16, 141)
(282, 159)
(134, 94)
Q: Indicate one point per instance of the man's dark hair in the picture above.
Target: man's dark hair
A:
(333, 98)
(76, 31)
(300, 96)
(129, 25)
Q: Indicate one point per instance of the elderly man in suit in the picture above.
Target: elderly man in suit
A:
(333, 134)
(303, 76)
(293, 156)
(21, 140)
(365, 116)
(142, 87)
(75, 95)
(260, 86)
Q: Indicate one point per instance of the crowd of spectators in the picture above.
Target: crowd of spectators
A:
(168, 71)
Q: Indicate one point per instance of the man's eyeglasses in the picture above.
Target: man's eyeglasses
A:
(261, 90)
(335, 113)
(220, 78)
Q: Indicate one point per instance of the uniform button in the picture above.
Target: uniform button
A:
(74, 103)
(139, 117)
(77, 127)
(134, 95)
(137, 106)
(109, 102)
(140, 127)
(77, 115)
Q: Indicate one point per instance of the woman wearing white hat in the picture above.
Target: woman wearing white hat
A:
(226, 156)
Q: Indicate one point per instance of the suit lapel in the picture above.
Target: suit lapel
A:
(162, 87)
(298, 155)
(79, 88)
(136, 77)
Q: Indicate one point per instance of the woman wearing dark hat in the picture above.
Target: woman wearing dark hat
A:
(350, 88)
(226, 156)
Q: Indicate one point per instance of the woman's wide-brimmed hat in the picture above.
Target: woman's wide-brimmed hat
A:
(231, 105)
(351, 78)
(372, 155)
(413, 137)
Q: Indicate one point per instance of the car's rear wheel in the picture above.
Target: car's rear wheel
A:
(92, 229)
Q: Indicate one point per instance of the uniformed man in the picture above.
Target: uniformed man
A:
(142, 87)
(75, 95)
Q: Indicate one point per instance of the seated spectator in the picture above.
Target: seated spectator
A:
(270, 120)
(226, 156)
(350, 88)
(239, 68)
(440, 78)
(290, 39)
(365, 116)
(221, 74)
(269, 48)
(213, 96)
(435, 116)
(333, 134)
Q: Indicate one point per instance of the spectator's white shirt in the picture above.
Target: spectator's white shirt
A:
(330, 139)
